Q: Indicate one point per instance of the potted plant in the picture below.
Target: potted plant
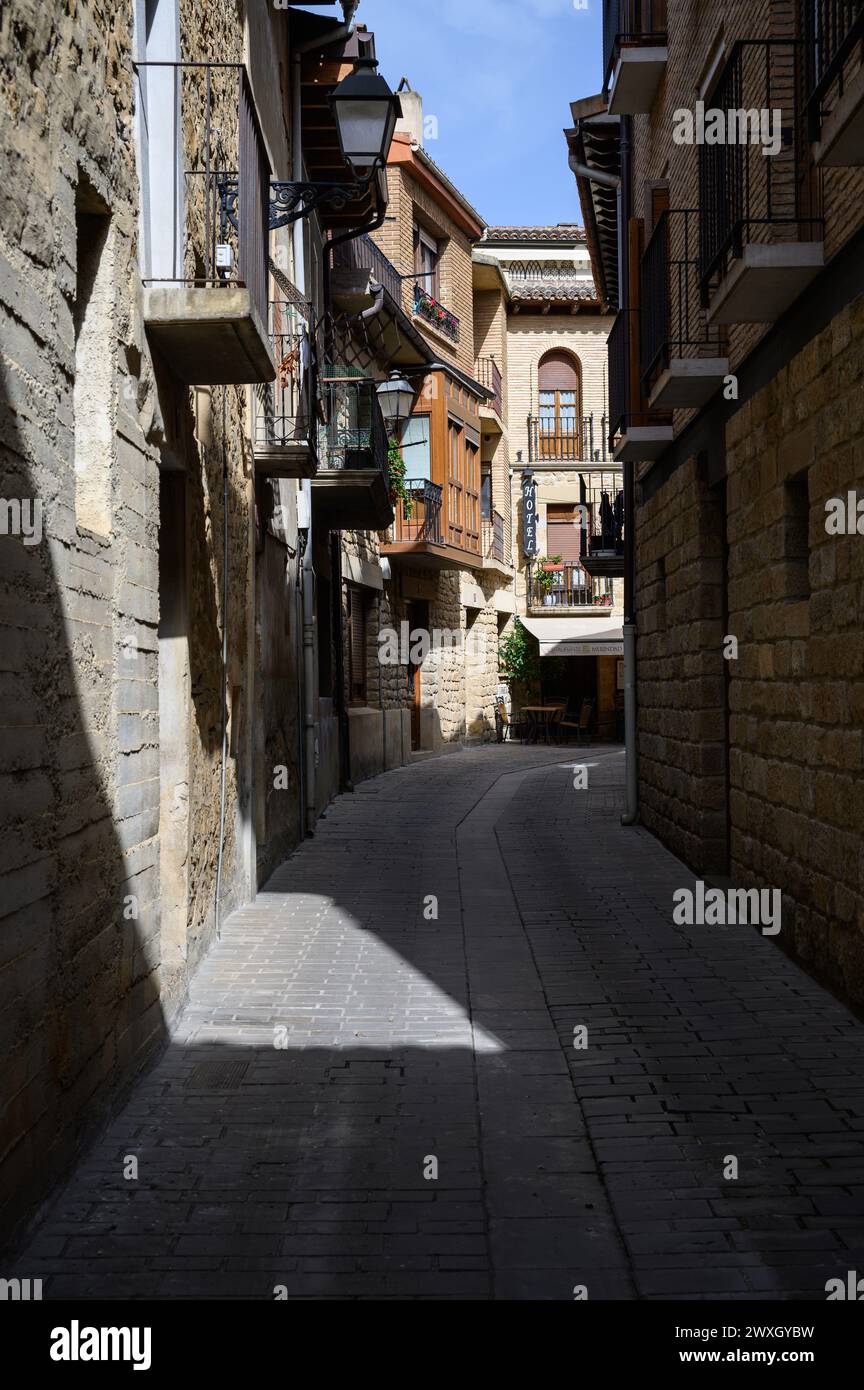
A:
(546, 570)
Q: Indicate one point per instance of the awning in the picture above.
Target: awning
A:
(577, 636)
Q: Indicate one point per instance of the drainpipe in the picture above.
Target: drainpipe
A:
(622, 188)
(625, 207)
(307, 570)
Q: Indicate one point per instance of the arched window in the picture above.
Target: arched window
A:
(560, 389)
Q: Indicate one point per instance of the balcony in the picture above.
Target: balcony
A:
(427, 308)
(683, 358)
(284, 420)
(566, 588)
(834, 78)
(760, 225)
(635, 54)
(418, 516)
(603, 546)
(553, 441)
(351, 488)
(210, 327)
(489, 375)
(360, 271)
(359, 266)
(634, 437)
(422, 536)
(493, 544)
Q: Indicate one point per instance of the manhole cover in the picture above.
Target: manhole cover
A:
(217, 1076)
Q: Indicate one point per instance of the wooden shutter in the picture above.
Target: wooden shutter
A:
(558, 372)
(563, 534)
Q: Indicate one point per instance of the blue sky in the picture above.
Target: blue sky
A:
(499, 75)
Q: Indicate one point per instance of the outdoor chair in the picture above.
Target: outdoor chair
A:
(509, 726)
(582, 725)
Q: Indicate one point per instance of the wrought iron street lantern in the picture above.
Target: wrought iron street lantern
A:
(396, 398)
(365, 111)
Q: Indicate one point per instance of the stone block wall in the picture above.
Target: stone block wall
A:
(681, 669)
(797, 687)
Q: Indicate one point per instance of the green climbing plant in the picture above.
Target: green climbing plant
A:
(396, 473)
(519, 655)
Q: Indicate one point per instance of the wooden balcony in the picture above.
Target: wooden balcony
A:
(440, 528)
(416, 538)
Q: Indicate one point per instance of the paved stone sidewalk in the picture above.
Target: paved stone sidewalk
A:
(349, 1037)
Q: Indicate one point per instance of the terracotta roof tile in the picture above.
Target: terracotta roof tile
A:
(566, 290)
(562, 232)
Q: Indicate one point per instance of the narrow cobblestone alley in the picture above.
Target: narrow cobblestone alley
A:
(340, 1038)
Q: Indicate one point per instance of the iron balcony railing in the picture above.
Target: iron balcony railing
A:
(423, 522)
(673, 319)
(625, 22)
(747, 193)
(427, 307)
(605, 529)
(552, 440)
(493, 538)
(832, 31)
(489, 375)
(220, 184)
(284, 410)
(361, 253)
(355, 435)
(566, 586)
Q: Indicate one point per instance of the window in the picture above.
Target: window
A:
(357, 614)
(415, 449)
(472, 491)
(426, 258)
(486, 495)
(455, 513)
(560, 408)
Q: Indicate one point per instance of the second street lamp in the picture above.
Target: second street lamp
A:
(396, 397)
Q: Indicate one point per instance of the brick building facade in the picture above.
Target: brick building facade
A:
(739, 386)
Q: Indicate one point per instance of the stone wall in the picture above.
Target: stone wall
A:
(681, 668)
(79, 874)
(110, 654)
(797, 687)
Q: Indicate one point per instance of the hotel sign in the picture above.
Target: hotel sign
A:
(529, 516)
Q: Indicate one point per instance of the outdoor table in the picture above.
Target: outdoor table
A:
(543, 720)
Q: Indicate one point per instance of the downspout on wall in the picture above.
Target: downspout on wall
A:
(307, 570)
